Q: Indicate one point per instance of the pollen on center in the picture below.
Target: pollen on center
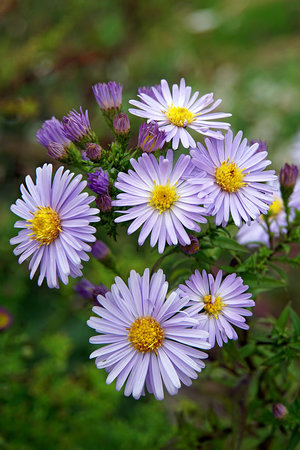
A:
(230, 177)
(213, 307)
(146, 334)
(163, 196)
(179, 116)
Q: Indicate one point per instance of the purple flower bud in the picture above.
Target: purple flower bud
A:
(100, 250)
(93, 151)
(121, 124)
(57, 151)
(262, 146)
(52, 131)
(279, 410)
(288, 176)
(193, 247)
(84, 156)
(85, 289)
(150, 138)
(108, 95)
(76, 125)
(101, 289)
(98, 181)
(149, 91)
(6, 319)
(103, 202)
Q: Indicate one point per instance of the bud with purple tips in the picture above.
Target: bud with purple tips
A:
(100, 250)
(98, 181)
(262, 146)
(150, 138)
(288, 177)
(108, 95)
(121, 124)
(77, 125)
(85, 289)
(193, 247)
(149, 91)
(53, 137)
(279, 410)
(93, 151)
(57, 151)
(100, 289)
(103, 202)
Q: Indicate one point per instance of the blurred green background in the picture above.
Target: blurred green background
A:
(51, 52)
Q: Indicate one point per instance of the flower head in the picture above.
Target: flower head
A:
(98, 181)
(235, 180)
(108, 95)
(6, 319)
(93, 151)
(176, 112)
(160, 200)
(52, 136)
(148, 341)
(76, 125)
(150, 138)
(55, 219)
(218, 304)
(121, 124)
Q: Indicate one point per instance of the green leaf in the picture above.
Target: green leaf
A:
(295, 439)
(282, 320)
(296, 322)
(226, 243)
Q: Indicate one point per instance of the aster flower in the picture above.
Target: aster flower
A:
(55, 219)
(98, 181)
(179, 111)
(76, 125)
(148, 341)
(160, 200)
(222, 303)
(52, 136)
(108, 95)
(236, 178)
(93, 151)
(6, 319)
(150, 138)
(121, 124)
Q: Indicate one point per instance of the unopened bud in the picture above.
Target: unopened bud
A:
(191, 248)
(104, 202)
(288, 177)
(279, 410)
(121, 124)
(100, 250)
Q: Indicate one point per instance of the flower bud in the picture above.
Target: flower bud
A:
(121, 124)
(101, 289)
(279, 410)
(98, 181)
(93, 151)
(104, 202)
(191, 248)
(85, 289)
(57, 151)
(100, 250)
(288, 177)
(150, 138)
(262, 146)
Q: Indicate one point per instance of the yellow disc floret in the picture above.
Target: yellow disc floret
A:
(163, 196)
(276, 207)
(146, 334)
(45, 225)
(212, 308)
(230, 177)
(179, 116)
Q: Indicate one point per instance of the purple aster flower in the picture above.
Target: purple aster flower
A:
(76, 125)
(104, 203)
(222, 303)
(160, 200)
(6, 319)
(193, 248)
(262, 146)
(148, 341)
(178, 111)
(52, 136)
(108, 95)
(121, 124)
(149, 90)
(98, 181)
(100, 250)
(150, 138)
(235, 180)
(55, 225)
(85, 289)
(93, 151)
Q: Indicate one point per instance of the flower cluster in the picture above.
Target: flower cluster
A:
(152, 339)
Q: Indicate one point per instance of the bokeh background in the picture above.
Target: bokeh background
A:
(51, 52)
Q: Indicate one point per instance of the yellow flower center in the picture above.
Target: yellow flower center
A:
(276, 207)
(4, 320)
(146, 334)
(212, 308)
(163, 196)
(45, 225)
(180, 116)
(230, 177)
